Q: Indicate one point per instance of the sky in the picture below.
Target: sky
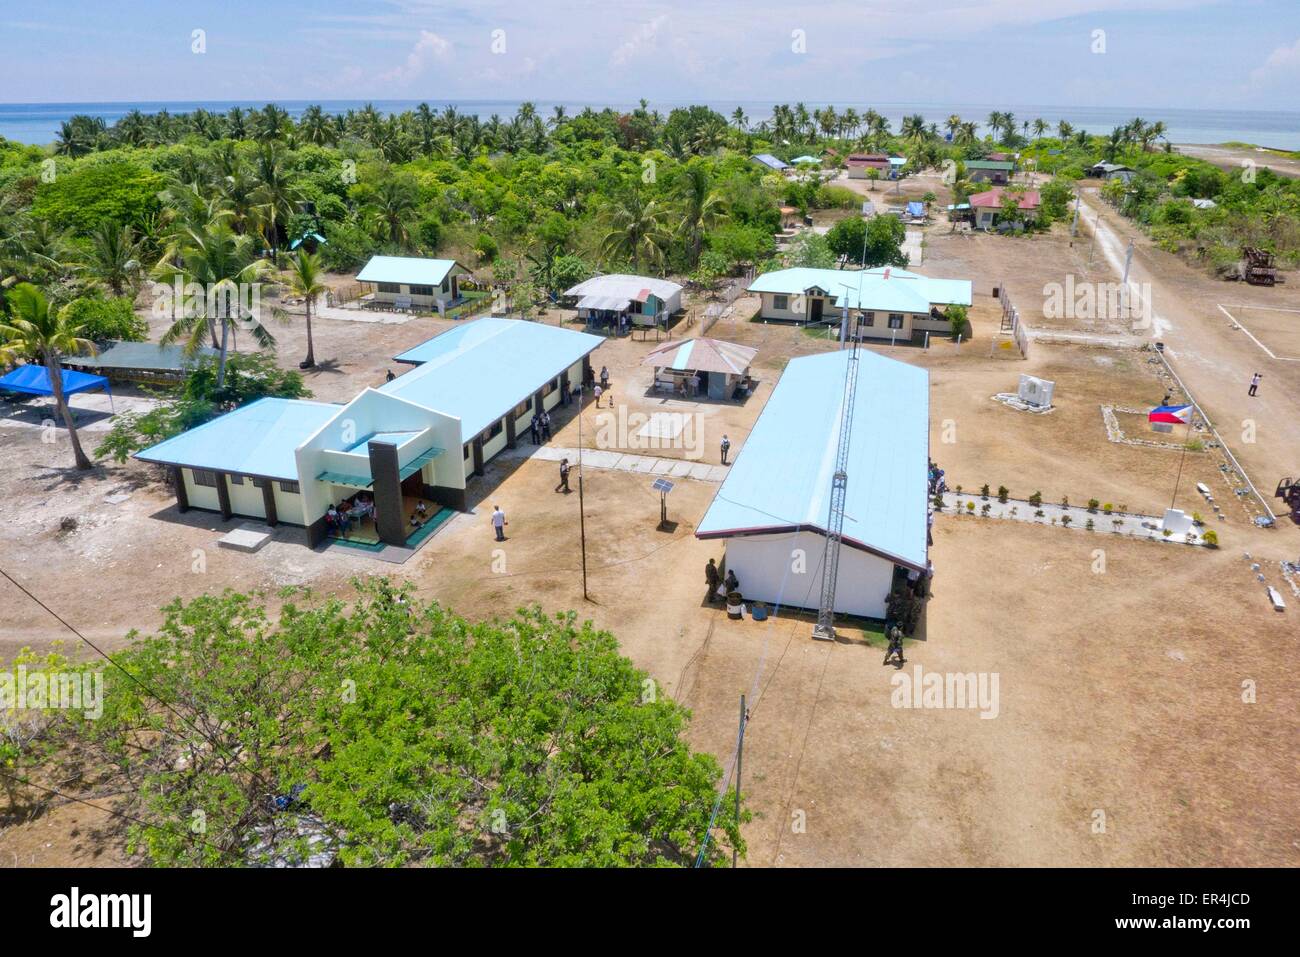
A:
(1171, 53)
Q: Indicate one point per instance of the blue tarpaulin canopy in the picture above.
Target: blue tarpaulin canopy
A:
(35, 380)
(916, 209)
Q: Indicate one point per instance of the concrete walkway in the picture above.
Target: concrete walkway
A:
(621, 461)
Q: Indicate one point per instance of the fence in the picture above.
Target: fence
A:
(1011, 332)
(728, 294)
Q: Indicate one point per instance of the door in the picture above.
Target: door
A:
(815, 305)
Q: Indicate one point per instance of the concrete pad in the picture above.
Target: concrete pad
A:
(117, 498)
(717, 473)
(680, 469)
(646, 464)
(700, 471)
(246, 538)
(628, 463)
(662, 466)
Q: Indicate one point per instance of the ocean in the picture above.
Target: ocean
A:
(39, 122)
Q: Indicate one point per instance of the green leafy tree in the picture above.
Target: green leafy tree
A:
(390, 732)
(305, 279)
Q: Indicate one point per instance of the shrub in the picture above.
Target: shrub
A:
(985, 508)
(1108, 508)
(1065, 501)
(1039, 513)
(1003, 493)
(104, 319)
(984, 490)
(1036, 499)
(1093, 505)
(1211, 538)
(1066, 519)
(1089, 525)
(970, 506)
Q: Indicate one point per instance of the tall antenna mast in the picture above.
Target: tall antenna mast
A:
(824, 630)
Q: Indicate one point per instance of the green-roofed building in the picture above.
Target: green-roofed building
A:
(989, 171)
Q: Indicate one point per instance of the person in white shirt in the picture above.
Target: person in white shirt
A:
(499, 522)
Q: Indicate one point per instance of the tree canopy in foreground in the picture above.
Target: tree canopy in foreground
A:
(386, 731)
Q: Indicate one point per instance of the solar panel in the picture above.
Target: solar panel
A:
(662, 485)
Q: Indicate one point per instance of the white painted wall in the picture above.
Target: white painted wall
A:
(245, 499)
(200, 496)
(768, 569)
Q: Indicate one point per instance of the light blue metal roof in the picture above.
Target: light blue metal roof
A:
(256, 439)
(781, 479)
(480, 370)
(770, 161)
(410, 270)
(795, 282)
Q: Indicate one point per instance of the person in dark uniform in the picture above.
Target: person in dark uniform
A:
(564, 476)
(733, 583)
(535, 429)
(388, 376)
(726, 447)
(712, 577)
(894, 655)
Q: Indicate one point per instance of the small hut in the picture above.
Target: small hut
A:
(690, 367)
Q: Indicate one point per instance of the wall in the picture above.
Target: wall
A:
(769, 310)
(765, 565)
(200, 496)
(245, 499)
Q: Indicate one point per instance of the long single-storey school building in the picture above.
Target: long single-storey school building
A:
(474, 389)
(410, 282)
(773, 508)
(893, 303)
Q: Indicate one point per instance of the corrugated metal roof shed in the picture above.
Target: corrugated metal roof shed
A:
(463, 371)
(781, 479)
(257, 439)
(145, 356)
(622, 286)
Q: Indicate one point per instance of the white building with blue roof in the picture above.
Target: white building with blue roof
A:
(773, 508)
(884, 302)
(412, 282)
(422, 436)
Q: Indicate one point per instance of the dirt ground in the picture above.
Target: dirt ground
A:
(1120, 692)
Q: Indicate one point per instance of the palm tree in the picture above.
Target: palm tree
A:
(953, 124)
(114, 257)
(636, 230)
(1040, 127)
(278, 197)
(1064, 130)
(219, 262)
(39, 332)
(966, 134)
(305, 278)
(316, 126)
(701, 209)
(738, 118)
(391, 208)
(995, 122)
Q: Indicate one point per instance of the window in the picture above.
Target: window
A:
(446, 283)
(236, 480)
(868, 318)
(289, 487)
(493, 431)
(522, 408)
(204, 477)
(389, 287)
(780, 302)
(422, 291)
(895, 320)
(259, 483)
(550, 387)
(466, 450)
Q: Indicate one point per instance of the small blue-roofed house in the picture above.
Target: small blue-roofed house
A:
(413, 282)
(420, 437)
(774, 505)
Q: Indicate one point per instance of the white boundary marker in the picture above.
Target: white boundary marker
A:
(1243, 328)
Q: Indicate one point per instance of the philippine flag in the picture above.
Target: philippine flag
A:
(1173, 414)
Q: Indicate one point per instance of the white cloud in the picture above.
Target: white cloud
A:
(428, 48)
(644, 40)
(1282, 63)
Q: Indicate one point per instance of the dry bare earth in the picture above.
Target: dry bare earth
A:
(1119, 692)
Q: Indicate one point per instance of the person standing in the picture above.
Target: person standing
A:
(895, 653)
(1254, 383)
(499, 522)
(535, 430)
(596, 392)
(726, 447)
(564, 476)
(711, 576)
(604, 377)
(388, 376)
(546, 425)
(733, 583)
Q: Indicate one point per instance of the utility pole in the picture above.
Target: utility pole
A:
(1074, 226)
(740, 754)
(582, 512)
